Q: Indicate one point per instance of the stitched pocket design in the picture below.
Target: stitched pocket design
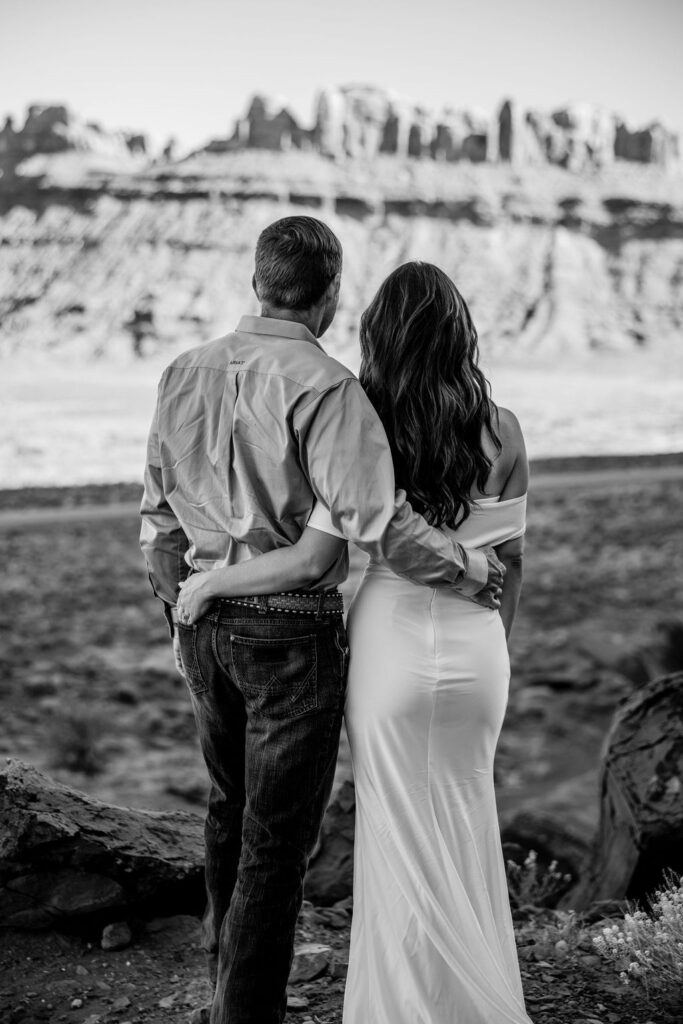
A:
(278, 678)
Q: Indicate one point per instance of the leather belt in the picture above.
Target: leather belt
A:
(319, 602)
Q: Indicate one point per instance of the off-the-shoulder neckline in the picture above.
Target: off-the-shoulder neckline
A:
(495, 500)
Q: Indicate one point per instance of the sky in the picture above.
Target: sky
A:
(186, 69)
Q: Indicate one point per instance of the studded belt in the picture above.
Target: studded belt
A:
(320, 602)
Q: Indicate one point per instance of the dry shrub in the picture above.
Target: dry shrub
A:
(646, 948)
(75, 739)
(532, 885)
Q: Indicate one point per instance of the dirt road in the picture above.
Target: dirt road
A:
(611, 477)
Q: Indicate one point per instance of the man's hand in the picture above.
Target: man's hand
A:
(176, 654)
(489, 595)
(195, 597)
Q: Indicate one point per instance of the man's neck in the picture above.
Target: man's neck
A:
(310, 318)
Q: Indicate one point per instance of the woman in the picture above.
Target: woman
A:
(432, 939)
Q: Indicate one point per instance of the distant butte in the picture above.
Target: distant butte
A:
(362, 122)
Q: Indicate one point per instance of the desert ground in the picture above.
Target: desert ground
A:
(89, 693)
(69, 422)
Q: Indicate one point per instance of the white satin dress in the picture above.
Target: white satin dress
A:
(432, 940)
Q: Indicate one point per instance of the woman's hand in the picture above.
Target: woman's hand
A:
(196, 594)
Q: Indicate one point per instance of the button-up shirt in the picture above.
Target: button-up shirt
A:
(249, 430)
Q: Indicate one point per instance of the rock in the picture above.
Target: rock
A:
(339, 968)
(641, 785)
(332, 918)
(559, 827)
(296, 1002)
(653, 144)
(116, 936)
(54, 129)
(65, 856)
(269, 126)
(590, 130)
(330, 874)
(595, 269)
(179, 925)
(311, 960)
(167, 1002)
(201, 1015)
(76, 1004)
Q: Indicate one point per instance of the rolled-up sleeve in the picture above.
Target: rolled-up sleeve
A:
(346, 454)
(162, 538)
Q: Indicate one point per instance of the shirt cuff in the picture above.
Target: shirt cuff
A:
(320, 519)
(476, 574)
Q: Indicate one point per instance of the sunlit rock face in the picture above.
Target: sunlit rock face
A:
(364, 121)
(552, 264)
(580, 137)
(52, 129)
(564, 231)
(652, 145)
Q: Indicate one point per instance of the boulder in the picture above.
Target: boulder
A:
(330, 873)
(640, 834)
(65, 856)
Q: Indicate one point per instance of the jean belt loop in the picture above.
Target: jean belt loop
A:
(262, 604)
(319, 609)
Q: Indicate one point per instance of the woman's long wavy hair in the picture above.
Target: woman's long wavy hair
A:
(419, 370)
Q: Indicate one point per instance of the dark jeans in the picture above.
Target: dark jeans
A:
(268, 695)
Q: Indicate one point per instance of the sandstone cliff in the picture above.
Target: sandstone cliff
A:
(53, 129)
(564, 230)
(363, 121)
(552, 262)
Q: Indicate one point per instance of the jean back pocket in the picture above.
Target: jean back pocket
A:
(277, 677)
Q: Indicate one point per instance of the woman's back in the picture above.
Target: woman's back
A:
(509, 474)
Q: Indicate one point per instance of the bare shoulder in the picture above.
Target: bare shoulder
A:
(515, 465)
(510, 431)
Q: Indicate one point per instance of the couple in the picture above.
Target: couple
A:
(262, 445)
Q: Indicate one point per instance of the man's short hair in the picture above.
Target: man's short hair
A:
(296, 259)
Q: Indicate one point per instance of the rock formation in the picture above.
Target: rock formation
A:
(641, 815)
(579, 137)
(559, 244)
(330, 874)
(66, 856)
(54, 129)
(651, 145)
(363, 121)
(550, 264)
(267, 124)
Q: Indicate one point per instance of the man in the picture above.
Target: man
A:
(249, 430)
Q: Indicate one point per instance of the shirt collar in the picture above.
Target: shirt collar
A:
(276, 328)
